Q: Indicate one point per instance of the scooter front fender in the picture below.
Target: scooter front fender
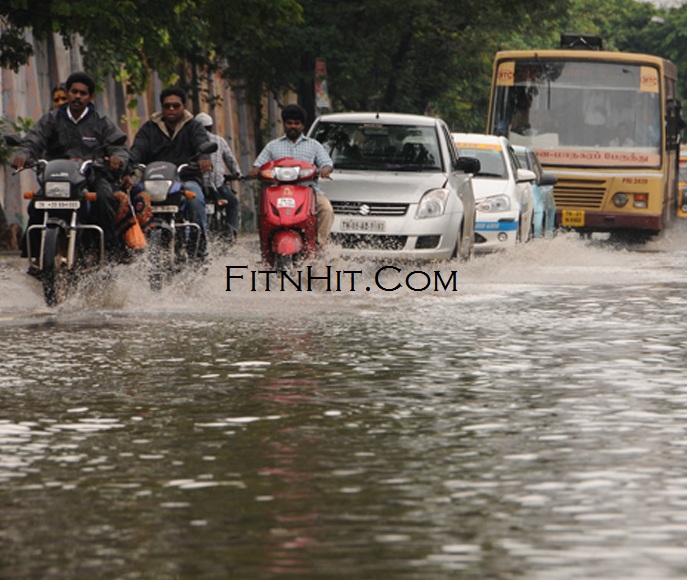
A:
(287, 243)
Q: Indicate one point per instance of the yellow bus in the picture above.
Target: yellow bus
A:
(607, 124)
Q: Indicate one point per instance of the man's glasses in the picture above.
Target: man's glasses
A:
(171, 105)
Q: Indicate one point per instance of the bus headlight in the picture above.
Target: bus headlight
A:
(641, 200)
(620, 200)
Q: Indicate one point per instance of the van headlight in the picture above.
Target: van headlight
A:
(432, 204)
(494, 204)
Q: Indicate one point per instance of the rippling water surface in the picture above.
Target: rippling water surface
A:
(530, 424)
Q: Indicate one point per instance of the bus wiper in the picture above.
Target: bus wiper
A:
(547, 77)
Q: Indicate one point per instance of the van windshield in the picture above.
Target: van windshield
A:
(380, 147)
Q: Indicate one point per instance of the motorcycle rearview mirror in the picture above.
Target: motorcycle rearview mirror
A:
(207, 148)
(12, 140)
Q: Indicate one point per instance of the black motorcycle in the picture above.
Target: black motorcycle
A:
(172, 240)
(68, 246)
(217, 209)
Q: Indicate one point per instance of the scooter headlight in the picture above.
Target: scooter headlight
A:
(286, 173)
(57, 189)
(157, 189)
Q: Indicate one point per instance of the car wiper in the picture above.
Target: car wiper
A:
(411, 167)
(344, 165)
(497, 175)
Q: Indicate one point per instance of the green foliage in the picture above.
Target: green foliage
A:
(416, 56)
(7, 126)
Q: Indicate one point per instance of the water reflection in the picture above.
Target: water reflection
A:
(530, 424)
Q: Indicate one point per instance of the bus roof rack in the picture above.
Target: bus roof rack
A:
(572, 40)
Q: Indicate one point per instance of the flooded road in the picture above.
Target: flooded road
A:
(531, 423)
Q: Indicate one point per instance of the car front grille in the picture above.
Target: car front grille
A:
(370, 209)
(578, 193)
(369, 242)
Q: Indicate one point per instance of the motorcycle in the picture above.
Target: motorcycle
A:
(67, 246)
(172, 240)
(217, 209)
(287, 218)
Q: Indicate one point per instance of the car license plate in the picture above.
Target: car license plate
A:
(165, 209)
(210, 208)
(58, 204)
(350, 225)
(573, 218)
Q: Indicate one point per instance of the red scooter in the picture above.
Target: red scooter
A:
(288, 214)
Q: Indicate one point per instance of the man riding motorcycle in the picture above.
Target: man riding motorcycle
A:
(77, 131)
(173, 135)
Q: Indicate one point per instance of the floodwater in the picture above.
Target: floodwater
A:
(525, 418)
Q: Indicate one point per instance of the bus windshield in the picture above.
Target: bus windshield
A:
(580, 113)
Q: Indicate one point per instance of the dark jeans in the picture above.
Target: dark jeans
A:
(227, 193)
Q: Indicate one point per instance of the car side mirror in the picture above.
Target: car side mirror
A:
(526, 175)
(468, 165)
(548, 178)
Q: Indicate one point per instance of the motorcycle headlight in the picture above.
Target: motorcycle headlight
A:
(432, 204)
(59, 189)
(494, 204)
(157, 189)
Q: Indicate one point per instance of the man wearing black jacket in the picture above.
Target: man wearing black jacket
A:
(77, 131)
(173, 135)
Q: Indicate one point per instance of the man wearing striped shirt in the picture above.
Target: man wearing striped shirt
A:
(296, 145)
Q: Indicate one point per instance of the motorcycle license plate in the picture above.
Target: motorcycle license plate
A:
(58, 204)
(286, 202)
(165, 209)
(351, 225)
(210, 209)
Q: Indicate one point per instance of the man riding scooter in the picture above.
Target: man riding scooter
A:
(295, 145)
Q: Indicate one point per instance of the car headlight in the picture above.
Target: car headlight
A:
(432, 204)
(494, 204)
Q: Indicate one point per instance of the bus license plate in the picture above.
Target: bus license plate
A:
(58, 204)
(350, 225)
(572, 218)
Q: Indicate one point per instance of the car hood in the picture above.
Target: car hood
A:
(366, 186)
(484, 187)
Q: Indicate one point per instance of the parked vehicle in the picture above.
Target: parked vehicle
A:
(544, 213)
(287, 218)
(68, 246)
(399, 188)
(172, 240)
(503, 192)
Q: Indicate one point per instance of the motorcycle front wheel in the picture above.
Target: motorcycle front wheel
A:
(55, 273)
(160, 254)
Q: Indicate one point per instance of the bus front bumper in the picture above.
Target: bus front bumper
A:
(590, 221)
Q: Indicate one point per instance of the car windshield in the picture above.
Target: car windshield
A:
(380, 147)
(492, 164)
